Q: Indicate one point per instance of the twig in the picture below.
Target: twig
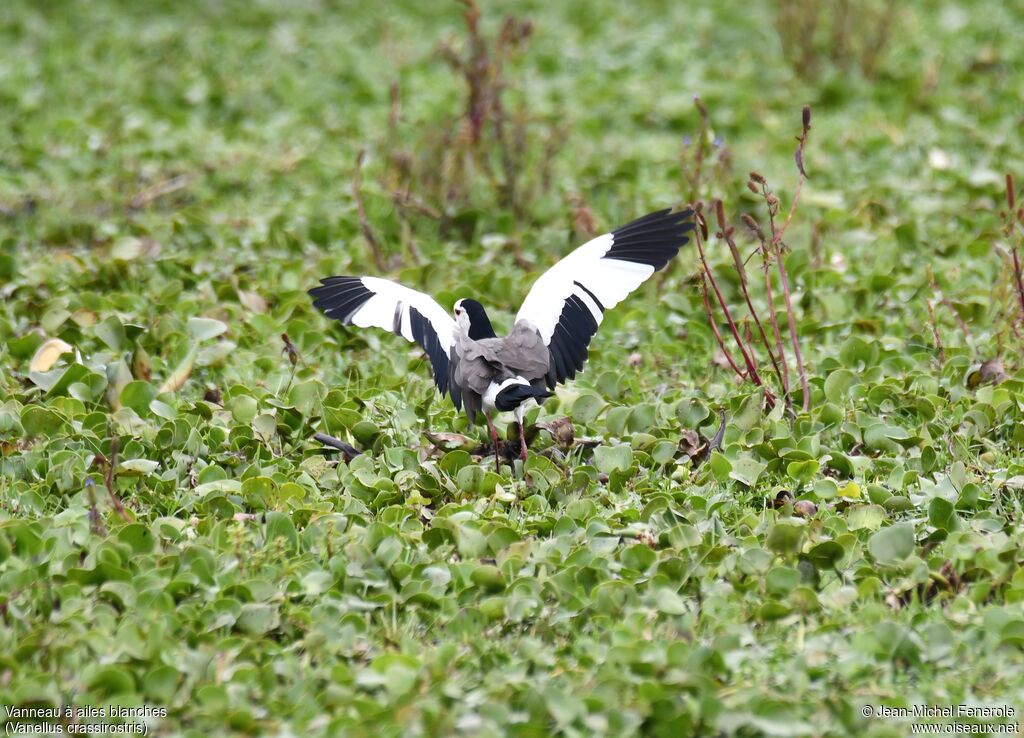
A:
(935, 332)
(158, 190)
(693, 174)
(1019, 280)
(714, 327)
(747, 360)
(1012, 221)
(798, 156)
(770, 295)
(293, 358)
(108, 466)
(364, 222)
(948, 305)
(792, 329)
(725, 232)
(96, 526)
(777, 244)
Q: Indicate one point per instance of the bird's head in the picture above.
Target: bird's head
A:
(472, 319)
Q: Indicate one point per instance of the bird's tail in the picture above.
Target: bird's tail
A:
(516, 394)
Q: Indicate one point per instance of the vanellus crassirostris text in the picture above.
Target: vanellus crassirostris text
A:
(548, 343)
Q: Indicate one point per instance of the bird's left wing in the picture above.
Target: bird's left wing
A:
(567, 302)
(371, 302)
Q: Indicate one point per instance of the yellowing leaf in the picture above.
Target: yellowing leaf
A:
(850, 489)
(48, 353)
(181, 373)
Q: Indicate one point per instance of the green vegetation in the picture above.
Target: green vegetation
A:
(175, 175)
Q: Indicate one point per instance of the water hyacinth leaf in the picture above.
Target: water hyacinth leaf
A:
(942, 514)
(785, 538)
(258, 618)
(613, 458)
(109, 680)
(111, 331)
(892, 544)
(41, 421)
(838, 384)
(137, 395)
(76, 380)
(203, 329)
(265, 426)
(280, 526)
(802, 471)
(746, 470)
(826, 555)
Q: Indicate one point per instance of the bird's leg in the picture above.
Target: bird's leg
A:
(494, 440)
(522, 435)
(522, 441)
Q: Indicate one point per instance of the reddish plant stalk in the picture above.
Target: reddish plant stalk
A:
(725, 233)
(1018, 280)
(747, 360)
(948, 305)
(714, 327)
(774, 318)
(798, 156)
(364, 221)
(784, 278)
(770, 295)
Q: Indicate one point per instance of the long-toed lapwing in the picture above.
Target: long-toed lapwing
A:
(548, 343)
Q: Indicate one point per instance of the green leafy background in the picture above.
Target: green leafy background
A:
(175, 175)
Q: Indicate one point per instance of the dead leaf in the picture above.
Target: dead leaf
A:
(252, 301)
(990, 372)
(181, 374)
(450, 441)
(48, 353)
(561, 431)
(691, 443)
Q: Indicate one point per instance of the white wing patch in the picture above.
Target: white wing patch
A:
(567, 302)
(391, 300)
(371, 302)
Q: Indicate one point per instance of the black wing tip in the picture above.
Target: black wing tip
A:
(653, 239)
(658, 220)
(327, 283)
(340, 297)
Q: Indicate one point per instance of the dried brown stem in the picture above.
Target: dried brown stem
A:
(777, 244)
(714, 327)
(1013, 228)
(798, 156)
(725, 232)
(948, 305)
(747, 359)
(766, 261)
(96, 526)
(784, 279)
(1018, 279)
(364, 221)
(108, 466)
(693, 173)
(935, 332)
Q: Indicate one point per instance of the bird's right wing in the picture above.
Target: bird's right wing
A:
(371, 302)
(567, 302)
